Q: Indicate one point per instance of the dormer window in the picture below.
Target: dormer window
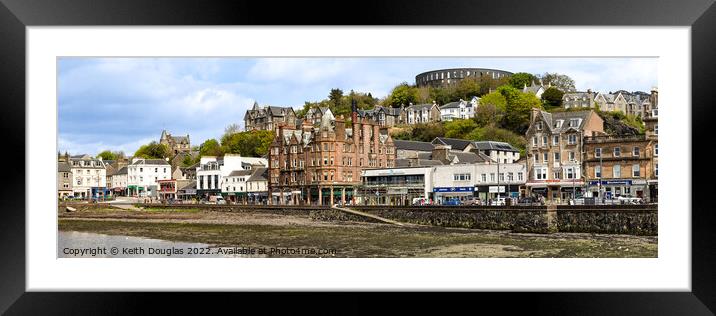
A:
(539, 126)
(574, 123)
(558, 123)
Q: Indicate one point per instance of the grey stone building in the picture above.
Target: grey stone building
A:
(268, 118)
(64, 180)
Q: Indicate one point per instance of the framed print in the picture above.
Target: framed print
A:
(469, 147)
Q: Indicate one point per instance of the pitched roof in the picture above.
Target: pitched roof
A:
(259, 174)
(63, 167)
(238, 173)
(551, 118)
(451, 105)
(458, 144)
(122, 170)
(493, 145)
(150, 162)
(464, 157)
(412, 145)
(419, 107)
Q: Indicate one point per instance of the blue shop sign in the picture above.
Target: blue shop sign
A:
(454, 189)
(611, 182)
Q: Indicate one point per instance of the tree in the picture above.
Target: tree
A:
(336, 97)
(424, 132)
(153, 150)
(189, 160)
(459, 128)
(520, 79)
(248, 144)
(402, 94)
(518, 108)
(233, 128)
(105, 155)
(466, 89)
(561, 82)
(552, 97)
(210, 147)
(441, 95)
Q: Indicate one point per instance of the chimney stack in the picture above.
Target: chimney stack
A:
(440, 152)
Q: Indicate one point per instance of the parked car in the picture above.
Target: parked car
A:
(452, 202)
(629, 200)
(474, 201)
(500, 201)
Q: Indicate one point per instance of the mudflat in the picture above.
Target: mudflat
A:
(350, 239)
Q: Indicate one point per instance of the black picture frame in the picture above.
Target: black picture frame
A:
(16, 15)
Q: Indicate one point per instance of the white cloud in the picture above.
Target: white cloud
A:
(299, 70)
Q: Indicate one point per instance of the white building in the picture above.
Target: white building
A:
(208, 176)
(119, 181)
(212, 173)
(443, 183)
(421, 113)
(459, 110)
(395, 186)
(257, 186)
(234, 186)
(246, 186)
(536, 89)
(143, 176)
(89, 176)
(485, 181)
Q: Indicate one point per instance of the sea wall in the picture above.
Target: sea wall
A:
(603, 219)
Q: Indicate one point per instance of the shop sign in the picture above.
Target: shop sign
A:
(397, 191)
(496, 189)
(454, 189)
(611, 182)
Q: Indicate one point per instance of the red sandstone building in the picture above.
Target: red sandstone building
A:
(321, 165)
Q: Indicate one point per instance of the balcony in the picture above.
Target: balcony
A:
(613, 139)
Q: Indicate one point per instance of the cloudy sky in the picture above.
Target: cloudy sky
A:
(122, 103)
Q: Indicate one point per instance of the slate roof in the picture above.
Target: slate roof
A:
(493, 145)
(388, 110)
(419, 107)
(551, 119)
(412, 145)
(259, 174)
(451, 105)
(238, 173)
(151, 162)
(578, 94)
(457, 144)
(122, 170)
(63, 167)
(463, 157)
(191, 184)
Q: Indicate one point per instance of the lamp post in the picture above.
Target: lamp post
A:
(599, 184)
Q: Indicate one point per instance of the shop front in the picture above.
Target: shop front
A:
(556, 191)
(491, 192)
(100, 193)
(449, 195)
(257, 198)
(205, 194)
(614, 188)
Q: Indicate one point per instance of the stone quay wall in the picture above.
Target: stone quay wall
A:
(603, 219)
